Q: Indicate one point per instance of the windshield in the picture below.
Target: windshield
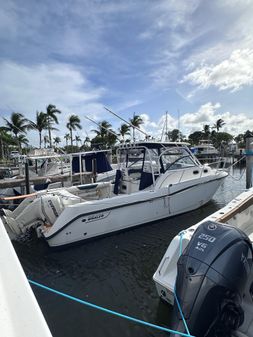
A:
(131, 157)
(176, 158)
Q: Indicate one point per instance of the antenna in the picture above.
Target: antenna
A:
(165, 126)
(178, 119)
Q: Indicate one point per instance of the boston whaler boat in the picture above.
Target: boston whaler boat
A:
(153, 181)
(209, 268)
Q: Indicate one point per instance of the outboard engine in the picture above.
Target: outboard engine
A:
(212, 274)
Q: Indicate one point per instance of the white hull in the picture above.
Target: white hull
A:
(19, 311)
(152, 182)
(91, 219)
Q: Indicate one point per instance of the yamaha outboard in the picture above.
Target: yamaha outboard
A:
(211, 282)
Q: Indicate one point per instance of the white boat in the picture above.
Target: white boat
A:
(153, 181)
(206, 152)
(76, 168)
(222, 243)
(20, 314)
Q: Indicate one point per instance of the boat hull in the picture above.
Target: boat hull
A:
(92, 219)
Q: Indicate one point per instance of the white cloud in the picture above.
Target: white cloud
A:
(209, 113)
(27, 89)
(31, 88)
(232, 74)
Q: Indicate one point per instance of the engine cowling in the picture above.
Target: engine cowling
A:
(212, 274)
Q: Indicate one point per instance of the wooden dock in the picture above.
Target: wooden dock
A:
(83, 178)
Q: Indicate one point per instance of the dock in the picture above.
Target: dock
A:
(20, 314)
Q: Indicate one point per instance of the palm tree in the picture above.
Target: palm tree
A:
(57, 141)
(78, 139)
(73, 124)
(67, 137)
(5, 141)
(40, 124)
(219, 124)
(46, 141)
(206, 130)
(18, 124)
(22, 140)
(105, 135)
(124, 130)
(103, 129)
(136, 121)
(51, 119)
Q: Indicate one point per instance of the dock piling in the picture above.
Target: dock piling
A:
(249, 159)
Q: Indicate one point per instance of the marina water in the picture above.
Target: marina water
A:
(114, 272)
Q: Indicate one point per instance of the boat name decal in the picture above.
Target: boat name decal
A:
(96, 217)
(50, 202)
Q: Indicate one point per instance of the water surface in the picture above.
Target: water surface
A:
(114, 271)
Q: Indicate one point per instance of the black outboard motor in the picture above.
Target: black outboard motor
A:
(212, 275)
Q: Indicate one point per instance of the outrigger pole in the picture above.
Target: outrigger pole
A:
(135, 127)
(101, 126)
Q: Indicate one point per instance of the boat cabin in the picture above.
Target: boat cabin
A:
(141, 164)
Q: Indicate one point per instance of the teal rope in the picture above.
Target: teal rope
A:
(108, 310)
(181, 234)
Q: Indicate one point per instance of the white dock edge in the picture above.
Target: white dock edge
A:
(20, 314)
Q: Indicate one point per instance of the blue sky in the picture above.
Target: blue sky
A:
(192, 58)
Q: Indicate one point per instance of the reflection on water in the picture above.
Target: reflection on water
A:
(114, 271)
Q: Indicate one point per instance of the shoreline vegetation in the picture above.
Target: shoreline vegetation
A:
(14, 134)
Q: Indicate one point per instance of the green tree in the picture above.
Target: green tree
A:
(218, 124)
(67, 138)
(206, 131)
(124, 130)
(220, 138)
(6, 140)
(105, 136)
(73, 124)
(57, 141)
(51, 119)
(78, 139)
(136, 121)
(22, 140)
(175, 135)
(46, 140)
(17, 124)
(195, 137)
(240, 140)
(103, 129)
(40, 124)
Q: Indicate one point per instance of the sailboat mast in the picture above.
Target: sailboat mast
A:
(166, 126)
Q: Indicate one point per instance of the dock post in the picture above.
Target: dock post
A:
(27, 180)
(249, 159)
